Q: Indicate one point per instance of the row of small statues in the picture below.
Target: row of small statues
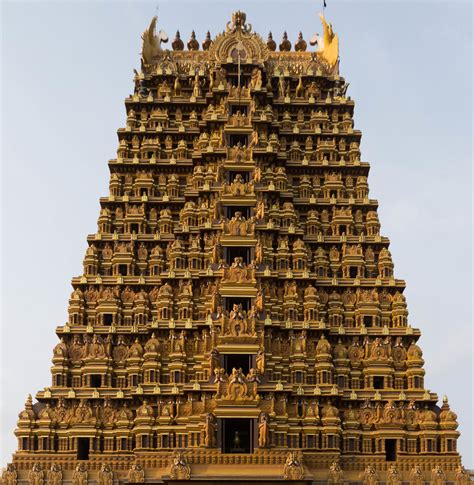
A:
(270, 293)
(197, 85)
(316, 150)
(79, 348)
(286, 214)
(237, 386)
(180, 469)
(217, 172)
(222, 107)
(293, 469)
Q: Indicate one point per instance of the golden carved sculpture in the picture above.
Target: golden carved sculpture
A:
(330, 43)
(238, 310)
(293, 469)
(180, 469)
(152, 42)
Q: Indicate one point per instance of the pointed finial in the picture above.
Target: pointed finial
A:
(285, 45)
(271, 44)
(177, 44)
(301, 44)
(445, 399)
(193, 44)
(207, 41)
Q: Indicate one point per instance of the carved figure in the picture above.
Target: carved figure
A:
(55, 475)
(263, 430)
(370, 476)
(335, 474)
(416, 476)
(105, 475)
(209, 432)
(136, 474)
(180, 469)
(437, 476)
(293, 469)
(36, 475)
(9, 475)
(394, 477)
(151, 42)
(80, 475)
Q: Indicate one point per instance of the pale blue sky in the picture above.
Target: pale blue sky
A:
(66, 69)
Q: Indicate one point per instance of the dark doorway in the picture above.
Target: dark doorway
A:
(239, 361)
(391, 450)
(368, 321)
(244, 211)
(237, 435)
(235, 139)
(237, 252)
(83, 448)
(378, 382)
(96, 380)
(108, 318)
(234, 173)
(238, 107)
(230, 302)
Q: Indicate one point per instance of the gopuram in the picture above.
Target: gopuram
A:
(238, 318)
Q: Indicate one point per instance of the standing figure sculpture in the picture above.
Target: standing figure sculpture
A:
(263, 430)
(36, 475)
(55, 475)
(80, 475)
(335, 475)
(9, 475)
(106, 475)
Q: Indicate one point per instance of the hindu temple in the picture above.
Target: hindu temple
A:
(237, 317)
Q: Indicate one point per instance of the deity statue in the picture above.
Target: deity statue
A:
(136, 473)
(260, 362)
(461, 476)
(105, 475)
(80, 475)
(370, 476)
(256, 79)
(180, 469)
(263, 430)
(55, 475)
(209, 431)
(394, 477)
(9, 475)
(335, 474)
(293, 469)
(237, 321)
(36, 475)
(416, 476)
(437, 476)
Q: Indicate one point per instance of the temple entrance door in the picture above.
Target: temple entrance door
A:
(238, 361)
(237, 435)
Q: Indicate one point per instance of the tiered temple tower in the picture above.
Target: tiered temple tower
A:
(238, 316)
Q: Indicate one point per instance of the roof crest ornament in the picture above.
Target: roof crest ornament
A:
(238, 23)
(238, 42)
(151, 45)
(328, 45)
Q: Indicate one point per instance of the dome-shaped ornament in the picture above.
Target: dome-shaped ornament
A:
(285, 45)
(301, 44)
(193, 44)
(207, 41)
(271, 44)
(177, 44)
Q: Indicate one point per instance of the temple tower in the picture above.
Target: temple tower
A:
(238, 303)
